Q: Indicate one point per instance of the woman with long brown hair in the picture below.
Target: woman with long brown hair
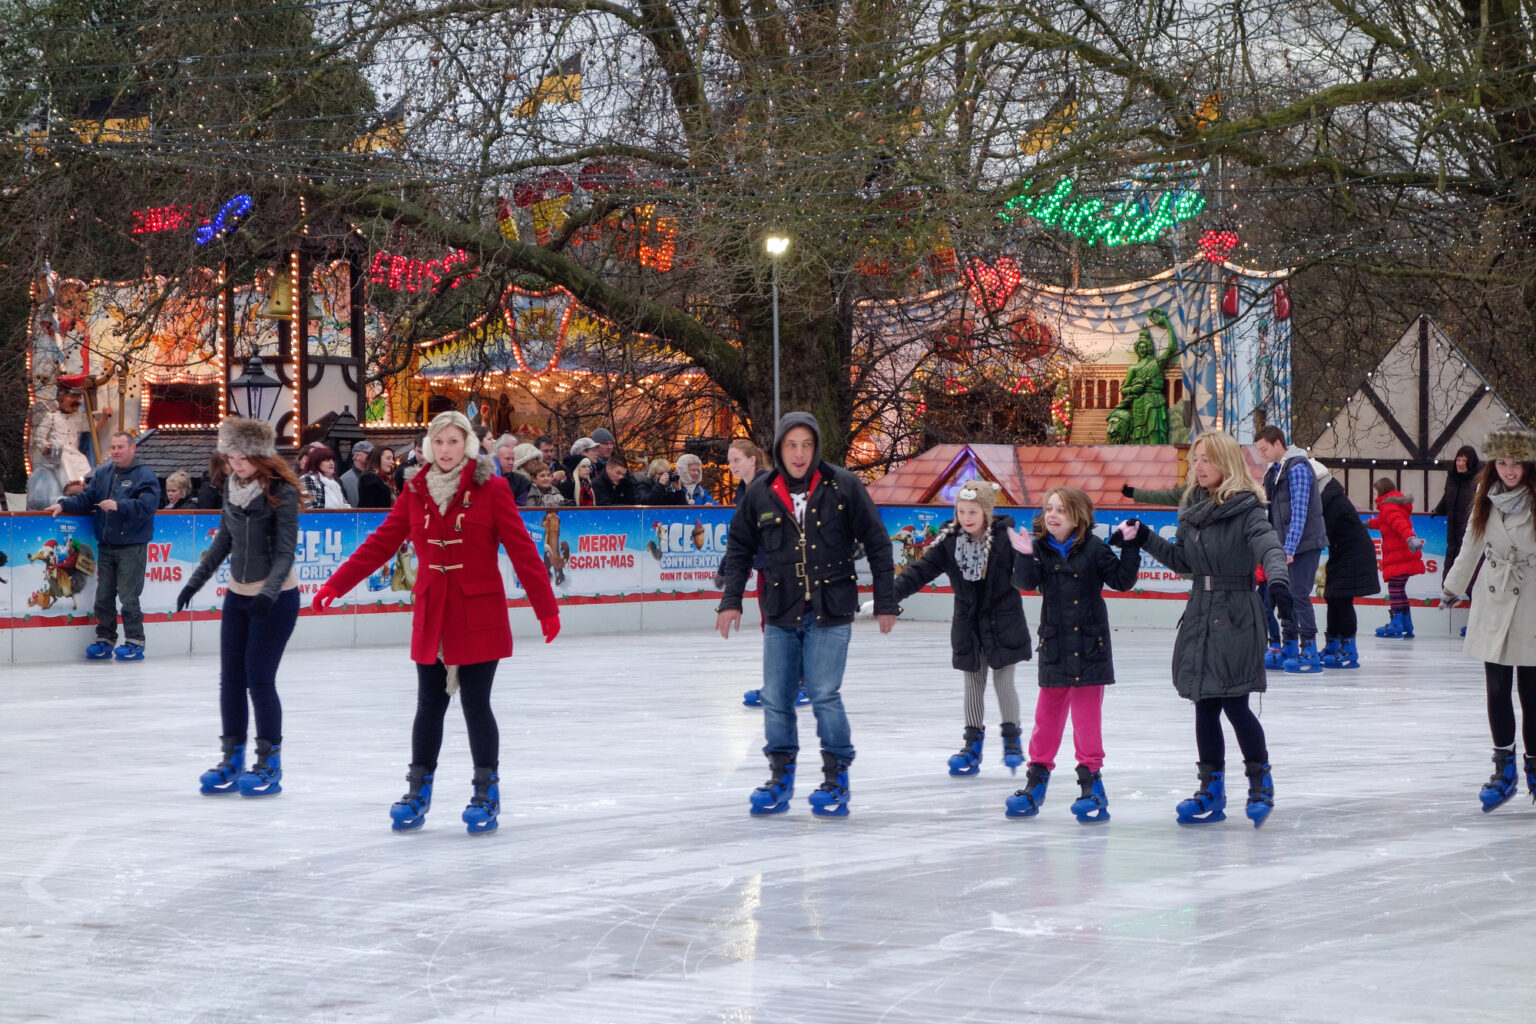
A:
(258, 533)
(1502, 622)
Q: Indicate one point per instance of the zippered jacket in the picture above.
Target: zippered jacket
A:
(259, 539)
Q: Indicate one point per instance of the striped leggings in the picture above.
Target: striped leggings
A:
(1397, 594)
(976, 687)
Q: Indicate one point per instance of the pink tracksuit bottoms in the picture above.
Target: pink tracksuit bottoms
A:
(1086, 705)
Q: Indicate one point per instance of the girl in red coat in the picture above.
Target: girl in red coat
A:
(454, 513)
(1400, 556)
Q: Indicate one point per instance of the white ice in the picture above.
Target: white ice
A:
(628, 883)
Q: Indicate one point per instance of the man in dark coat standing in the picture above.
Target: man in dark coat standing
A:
(1351, 573)
(807, 517)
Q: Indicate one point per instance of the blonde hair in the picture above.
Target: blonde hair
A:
(1227, 456)
(180, 481)
(658, 466)
(1078, 506)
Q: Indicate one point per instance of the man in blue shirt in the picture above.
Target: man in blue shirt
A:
(123, 494)
(1296, 512)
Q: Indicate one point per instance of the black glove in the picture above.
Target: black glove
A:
(1285, 605)
(261, 607)
(1128, 491)
(185, 598)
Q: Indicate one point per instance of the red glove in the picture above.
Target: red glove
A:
(551, 627)
(324, 598)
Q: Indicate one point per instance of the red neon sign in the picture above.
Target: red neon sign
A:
(155, 219)
(400, 274)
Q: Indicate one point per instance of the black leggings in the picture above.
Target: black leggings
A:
(432, 704)
(1501, 704)
(1209, 741)
(1342, 620)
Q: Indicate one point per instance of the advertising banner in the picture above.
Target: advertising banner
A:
(48, 565)
(684, 547)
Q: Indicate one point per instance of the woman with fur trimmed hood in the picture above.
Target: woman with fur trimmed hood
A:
(1502, 622)
(455, 513)
(258, 533)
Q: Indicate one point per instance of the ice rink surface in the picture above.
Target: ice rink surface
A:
(628, 884)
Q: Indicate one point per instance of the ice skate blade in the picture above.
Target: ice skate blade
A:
(1490, 807)
(412, 825)
(779, 808)
(965, 773)
(221, 790)
(1028, 811)
(830, 811)
(482, 828)
(1206, 819)
(1089, 819)
(271, 789)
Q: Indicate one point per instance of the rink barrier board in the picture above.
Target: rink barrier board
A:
(621, 568)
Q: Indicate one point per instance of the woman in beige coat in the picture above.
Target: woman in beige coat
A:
(1501, 630)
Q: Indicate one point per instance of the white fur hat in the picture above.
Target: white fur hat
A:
(247, 437)
(525, 453)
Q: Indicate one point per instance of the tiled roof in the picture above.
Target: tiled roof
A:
(1026, 472)
(166, 451)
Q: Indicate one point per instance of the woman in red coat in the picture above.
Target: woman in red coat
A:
(455, 513)
(1400, 556)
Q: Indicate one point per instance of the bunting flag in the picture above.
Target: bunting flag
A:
(563, 86)
(1208, 112)
(1058, 122)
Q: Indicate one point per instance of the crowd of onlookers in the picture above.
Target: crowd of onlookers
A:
(592, 472)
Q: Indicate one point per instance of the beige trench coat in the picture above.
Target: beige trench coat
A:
(1502, 625)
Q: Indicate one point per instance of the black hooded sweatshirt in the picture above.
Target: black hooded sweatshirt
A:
(809, 558)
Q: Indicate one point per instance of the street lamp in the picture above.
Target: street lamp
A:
(777, 245)
(256, 389)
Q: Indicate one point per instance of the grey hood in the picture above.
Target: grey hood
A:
(787, 422)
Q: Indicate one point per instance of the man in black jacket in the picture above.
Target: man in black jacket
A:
(807, 517)
(613, 484)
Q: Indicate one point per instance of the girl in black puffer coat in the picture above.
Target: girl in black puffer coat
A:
(988, 629)
(1070, 567)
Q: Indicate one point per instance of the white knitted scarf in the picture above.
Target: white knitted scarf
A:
(244, 492)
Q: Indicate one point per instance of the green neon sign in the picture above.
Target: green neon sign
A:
(1127, 222)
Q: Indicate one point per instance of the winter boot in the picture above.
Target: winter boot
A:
(263, 777)
(409, 813)
(1093, 805)
(1393, 629)
(1530, 776)
(1261, 791)
(1307, 658)
(1025, 803)
(485, 804)
(1349, 654)
(1274, 657)
(772, 797)
(1407, 624)
(222, 777)
(1501, 786)
(968, 761)
(1013, 752)
(1209, 802)
(830, 799)
(1291, 656)
(1329, 656)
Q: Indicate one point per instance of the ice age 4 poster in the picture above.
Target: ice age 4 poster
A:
(588, 552)
(683, 548)
(389, 584)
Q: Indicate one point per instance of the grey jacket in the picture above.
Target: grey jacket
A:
(1219, 651)
(259, 540)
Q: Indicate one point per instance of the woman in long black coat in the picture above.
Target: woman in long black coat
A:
(1351, 573)
(1456, 502)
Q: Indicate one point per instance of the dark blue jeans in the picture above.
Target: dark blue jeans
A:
(1303, 570)
(249, 652)
(120, 577)
(815, 656)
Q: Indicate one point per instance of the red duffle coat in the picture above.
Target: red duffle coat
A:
(459, 598)
(1394, 519)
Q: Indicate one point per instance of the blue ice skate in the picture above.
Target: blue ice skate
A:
(968, 761)
(1093, 804)
(1261, 791)
(129, 651)
(773, 796)
(222, 777)
(1501, 786)
(830, 799)
(485, 804)
(1025, 803)
(1329, 655)
(101, 650)
(1307, 659)
(264, 777)
(409, 813)
(1209, 803)
(1013, 752)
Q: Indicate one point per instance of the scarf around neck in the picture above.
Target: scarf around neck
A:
(971, 555)
(244, 492)
(443, 486)
(1510, 502)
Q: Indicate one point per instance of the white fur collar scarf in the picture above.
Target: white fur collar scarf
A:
(443, 486)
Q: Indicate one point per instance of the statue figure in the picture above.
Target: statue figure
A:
(1142, 415)
(59, 467)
